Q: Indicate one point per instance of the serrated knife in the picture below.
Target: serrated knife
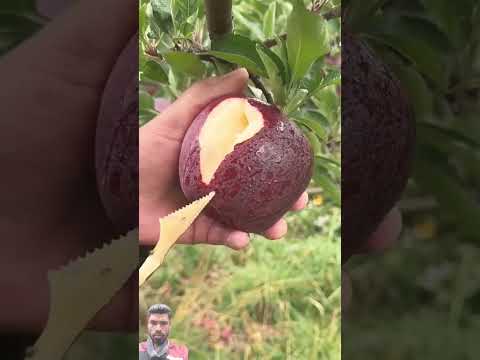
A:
(172, 227)
(79, 290)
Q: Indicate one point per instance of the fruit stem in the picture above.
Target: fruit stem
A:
(258, 83)
(219, 18)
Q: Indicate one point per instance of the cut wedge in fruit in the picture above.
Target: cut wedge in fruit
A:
(231, 122)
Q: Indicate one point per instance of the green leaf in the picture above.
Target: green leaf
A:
(418, 41)
(192, 19)
(332, 77)
(153, 24)
(269, 20)
(182, 10)
(153, 71)
(184, 62)
(239, 59)
(161, 6)
(448, 135)
(14, 28)
(306, 40)
(274, 61)
(296, 101)
(275, 72)
(251, 28)
(451, 16)
(11, 23)
(159, 17)
(239, 50)
(329, 164)
(282, 52)
(18, 6)
(313, 125)
(318, 117)
(322, 179)
(314, 142)
(417, 89)
(360, 12)
(142, 18)
(327, 103)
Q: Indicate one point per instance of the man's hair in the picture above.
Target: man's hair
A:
(159, 309)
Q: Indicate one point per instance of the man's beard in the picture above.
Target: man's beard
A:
(158, 339)
(157, 347)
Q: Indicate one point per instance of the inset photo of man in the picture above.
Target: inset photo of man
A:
(157, 346)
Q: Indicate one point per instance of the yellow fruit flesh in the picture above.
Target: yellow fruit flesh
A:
(231, 122)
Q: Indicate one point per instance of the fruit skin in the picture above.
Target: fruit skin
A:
(378, 135)
(116, 143)
(260, 180)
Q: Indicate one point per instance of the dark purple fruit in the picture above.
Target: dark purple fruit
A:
(255, 159)
(117, 141)
(378, 134)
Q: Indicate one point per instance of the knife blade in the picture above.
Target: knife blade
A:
(79, 290)
(172, 227)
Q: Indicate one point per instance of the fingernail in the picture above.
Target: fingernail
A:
(238, 240)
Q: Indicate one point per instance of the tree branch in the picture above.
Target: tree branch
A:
(219, 18)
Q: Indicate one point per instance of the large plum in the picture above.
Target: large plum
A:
(255, 159)
(378, 133)
(117, 141)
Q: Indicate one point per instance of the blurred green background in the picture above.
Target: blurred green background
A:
(421, 299)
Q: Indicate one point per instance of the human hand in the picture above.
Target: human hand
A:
(50, 210)
(160, 144)
(384, 237)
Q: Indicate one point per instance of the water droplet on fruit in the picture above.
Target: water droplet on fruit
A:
(281, 127)
(260, 151)
(277, 157)
(269, 153)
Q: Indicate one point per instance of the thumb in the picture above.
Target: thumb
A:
(175, 119)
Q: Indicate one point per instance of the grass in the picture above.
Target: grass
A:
(274, 300)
